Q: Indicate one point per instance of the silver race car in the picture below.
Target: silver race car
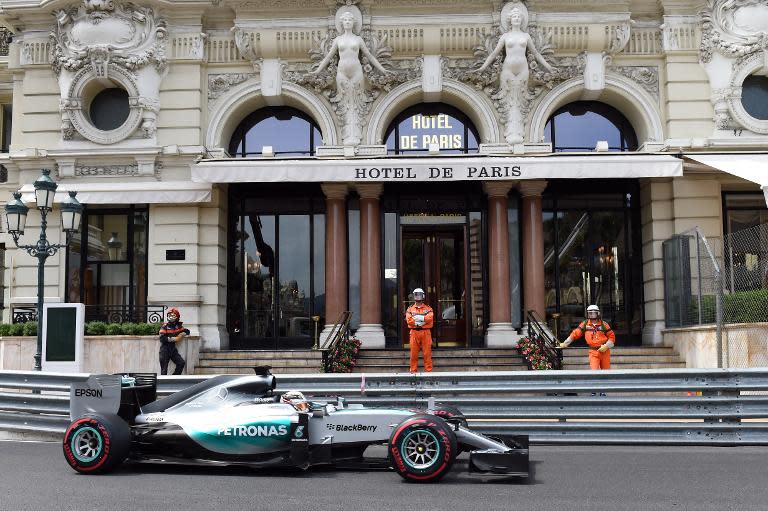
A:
(242, 420)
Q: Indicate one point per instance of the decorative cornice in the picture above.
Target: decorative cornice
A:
(335, 191)
(532, 187)
(369, 191)
(497, 188)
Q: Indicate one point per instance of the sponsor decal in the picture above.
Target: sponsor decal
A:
(261, 400)
(351, 427)
(88, 392)
(155, 417)
(299, 432)
(254, 431)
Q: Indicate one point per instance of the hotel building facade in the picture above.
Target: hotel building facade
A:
(266, 165)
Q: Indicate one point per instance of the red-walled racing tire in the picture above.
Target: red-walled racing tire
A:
(96, 444)
(422, 448)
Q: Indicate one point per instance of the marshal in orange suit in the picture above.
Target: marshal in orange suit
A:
(420, 319)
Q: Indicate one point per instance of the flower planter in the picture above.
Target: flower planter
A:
(103, 353)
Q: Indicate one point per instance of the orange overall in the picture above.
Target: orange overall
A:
(421, 336)
(596, 333)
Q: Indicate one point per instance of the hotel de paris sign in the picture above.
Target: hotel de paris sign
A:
(437, 169)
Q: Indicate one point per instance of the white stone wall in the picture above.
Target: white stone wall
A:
(224, 60)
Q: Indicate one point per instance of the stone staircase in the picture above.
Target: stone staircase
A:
(475, 359)
(630, 357)
(243, 362)
(396, 360)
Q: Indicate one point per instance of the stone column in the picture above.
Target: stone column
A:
(533, 247)
(336, 288)
(500, 332)
(370, 332)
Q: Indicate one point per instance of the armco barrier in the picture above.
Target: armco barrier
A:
(667, 406)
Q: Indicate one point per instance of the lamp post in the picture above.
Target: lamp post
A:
(16, 218)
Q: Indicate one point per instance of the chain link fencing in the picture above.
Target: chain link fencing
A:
(722, 284)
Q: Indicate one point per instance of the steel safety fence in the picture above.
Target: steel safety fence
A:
(722, 284)
(655, 407)
(745, 300)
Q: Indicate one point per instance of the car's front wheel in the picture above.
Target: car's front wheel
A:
(96, 444)
(422, 448)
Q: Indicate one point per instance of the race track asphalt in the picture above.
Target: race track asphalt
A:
(34, 476)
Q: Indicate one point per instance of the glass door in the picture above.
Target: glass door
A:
(276, 261)
(436, 262)
(588, 260)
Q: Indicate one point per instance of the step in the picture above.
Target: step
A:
(625, 351)
(471, 352)
(438, 367)
(446, 361)
(242, 370)
(262, 355)
(636, 359)
(619, 367)
(206, 362)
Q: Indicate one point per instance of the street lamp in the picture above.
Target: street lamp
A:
(16, 218)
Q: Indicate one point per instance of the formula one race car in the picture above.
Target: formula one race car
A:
(241, 420)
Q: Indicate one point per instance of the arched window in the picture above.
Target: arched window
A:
(580, 125)
(416, 128)
(290, 132)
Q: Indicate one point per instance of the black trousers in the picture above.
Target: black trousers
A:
(168, 352)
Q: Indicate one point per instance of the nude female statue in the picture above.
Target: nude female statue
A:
(513, 82)
(350, 93)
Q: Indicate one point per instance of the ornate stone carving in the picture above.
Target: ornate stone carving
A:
(734, 28)
(108, 44)
(350, 82)
(101, 32)
(523, 55)
(645, 76)
(107, 170)
(220, 83)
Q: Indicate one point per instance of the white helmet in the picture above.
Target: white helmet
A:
(418, 290)
(593, 308)
(296, 399)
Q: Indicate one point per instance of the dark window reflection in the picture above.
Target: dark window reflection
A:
(419, 126)
(290, 132)
(107, 264)
(578, 126)
(754, 96)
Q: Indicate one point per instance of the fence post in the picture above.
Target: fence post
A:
(698, 275)
(719, 316)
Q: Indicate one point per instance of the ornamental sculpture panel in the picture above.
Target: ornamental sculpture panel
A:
(349, 71)
(102, 44)
(517, 44)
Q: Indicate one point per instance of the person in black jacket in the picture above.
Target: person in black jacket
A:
(171, 333)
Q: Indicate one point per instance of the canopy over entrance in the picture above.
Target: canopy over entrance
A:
(752, 167)
(440, 169)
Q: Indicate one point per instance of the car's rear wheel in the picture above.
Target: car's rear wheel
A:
(422, 448)
(96, 444)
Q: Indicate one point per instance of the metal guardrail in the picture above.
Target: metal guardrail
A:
(667, 406)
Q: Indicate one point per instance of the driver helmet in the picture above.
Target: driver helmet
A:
(418, 294)
(295, 399)
(593, 312)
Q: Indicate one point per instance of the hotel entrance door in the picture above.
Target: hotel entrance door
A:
(435, 261)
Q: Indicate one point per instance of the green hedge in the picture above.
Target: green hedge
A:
(91, 328)
(738, 307)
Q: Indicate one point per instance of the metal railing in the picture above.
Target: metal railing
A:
(538, 332)
(105, 313)
(667, 406)
(339, 333)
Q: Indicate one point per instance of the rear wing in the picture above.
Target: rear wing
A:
(120, 394)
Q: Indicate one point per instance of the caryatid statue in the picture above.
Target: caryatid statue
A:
(513, 82)
(350, 80)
